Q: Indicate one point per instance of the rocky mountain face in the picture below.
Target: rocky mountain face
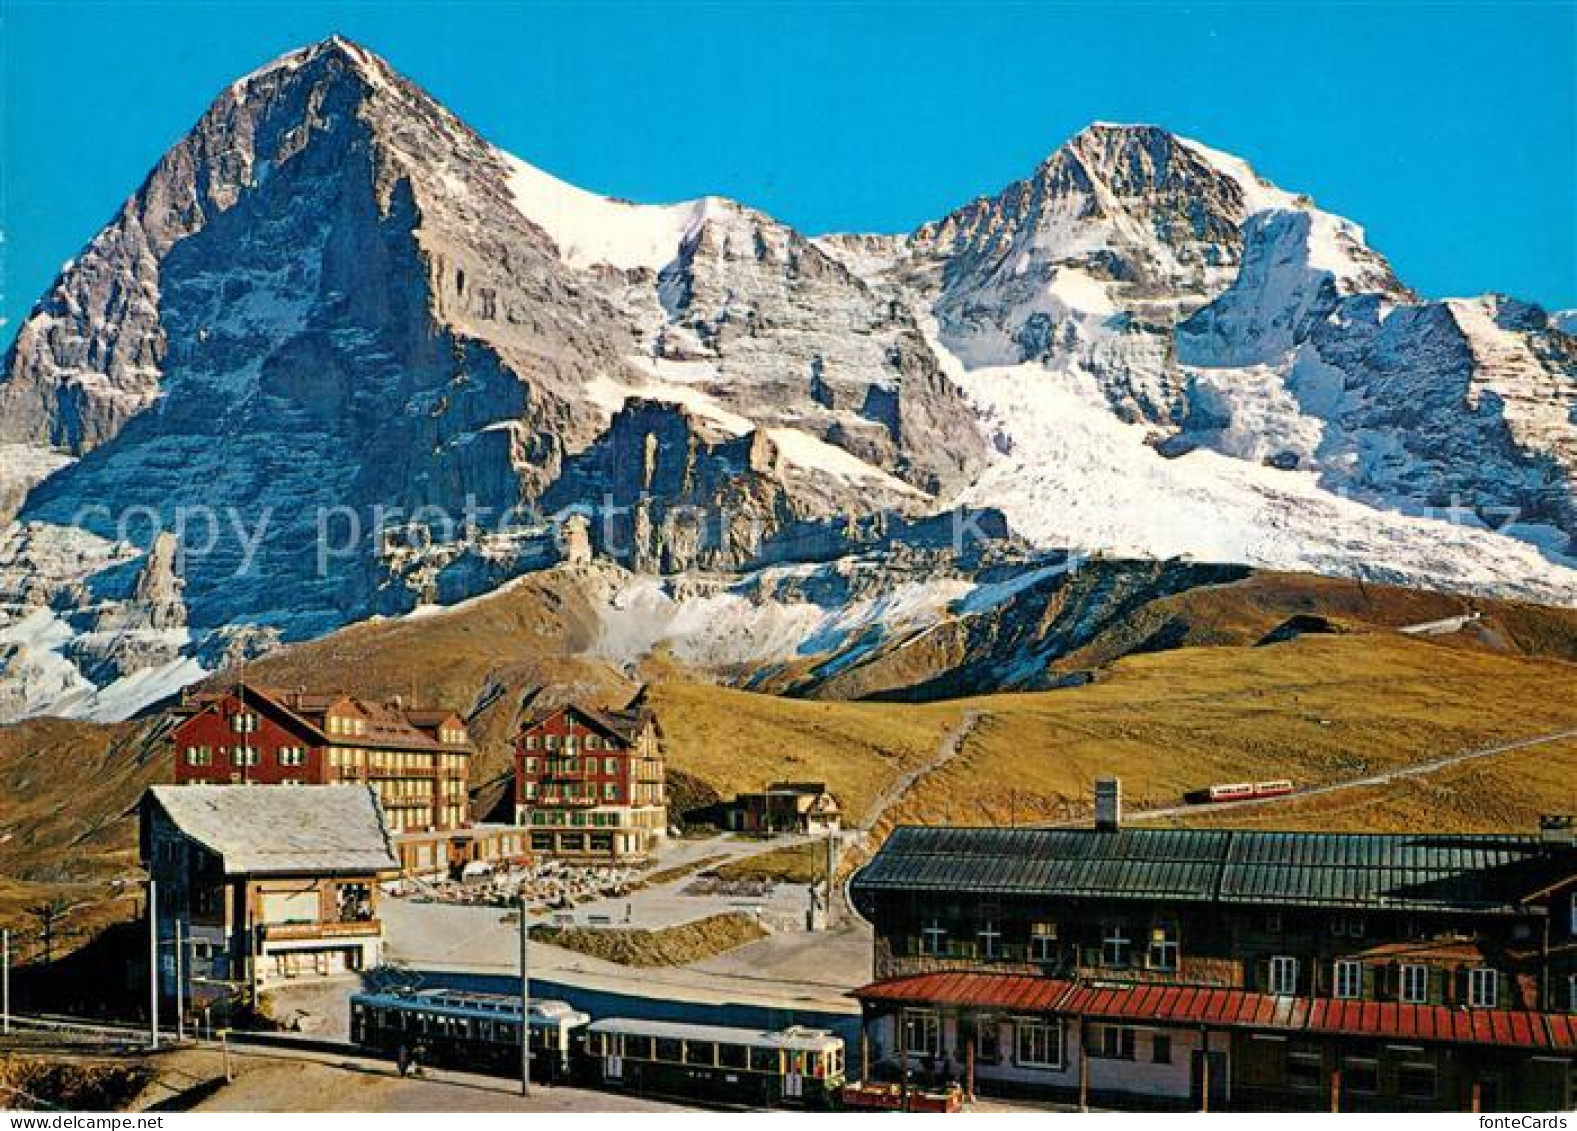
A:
(339, 355)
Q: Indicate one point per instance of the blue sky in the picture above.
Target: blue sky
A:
(1448, 130)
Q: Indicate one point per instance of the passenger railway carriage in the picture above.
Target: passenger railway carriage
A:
(476, 1032)
(480, 1032)
(795, 1067)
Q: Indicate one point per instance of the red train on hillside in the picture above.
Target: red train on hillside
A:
(1240, 791)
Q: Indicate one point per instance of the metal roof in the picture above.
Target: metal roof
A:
(1416, 871)
(998, 991)
(1502, 1027)
(1171, 1005)
(282, 830)
(545, 1013)
(794, 1037)
(1186, 1005)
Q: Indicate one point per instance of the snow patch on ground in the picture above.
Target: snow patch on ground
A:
(130, 694)
(804, 451)
(611, 395)
(730, 628)
(592, 230)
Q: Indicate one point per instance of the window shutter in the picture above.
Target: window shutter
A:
(1435, 983)
(1370, 980)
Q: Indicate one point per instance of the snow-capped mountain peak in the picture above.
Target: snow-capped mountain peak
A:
(333, 295)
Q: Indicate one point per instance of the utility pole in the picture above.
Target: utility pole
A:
(5, 980)
(180, 1005)
(153, 963)
(525, 1000)
(832, 871)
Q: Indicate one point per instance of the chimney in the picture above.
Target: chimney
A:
(1108, 804)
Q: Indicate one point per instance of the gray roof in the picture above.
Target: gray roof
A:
(282, 829)
(794, 1037)
(1440, 871)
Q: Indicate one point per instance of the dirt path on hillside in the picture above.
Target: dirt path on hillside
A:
(1384, 777)
(951, 746)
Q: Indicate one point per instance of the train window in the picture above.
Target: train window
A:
(700, 1052)
(765, 1060)
(733, 1056)
(669, 1049)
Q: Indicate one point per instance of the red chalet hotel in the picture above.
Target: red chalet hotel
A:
(590, 783)
(416, 761)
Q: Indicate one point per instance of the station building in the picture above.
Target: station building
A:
(1223, 968)
(258, 886)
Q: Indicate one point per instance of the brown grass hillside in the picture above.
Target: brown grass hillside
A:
(1317, 708)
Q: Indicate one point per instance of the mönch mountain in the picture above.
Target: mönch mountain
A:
(341, 357)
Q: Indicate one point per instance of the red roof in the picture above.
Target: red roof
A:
(999, 991)
(1197, 1005)
(1507, 1027)
(1206, 1005)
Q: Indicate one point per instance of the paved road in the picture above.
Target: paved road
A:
(1384, 777)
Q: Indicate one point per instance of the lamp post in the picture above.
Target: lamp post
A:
(153, 963)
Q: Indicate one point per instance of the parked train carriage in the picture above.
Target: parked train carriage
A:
(475, 1032)
(795, 1067)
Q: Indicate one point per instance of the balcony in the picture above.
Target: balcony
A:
(285, 932)
(558, 801)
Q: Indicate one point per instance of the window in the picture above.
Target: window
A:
(1416, 1081)
(933, 938)
(1161, 1048)
(199, 756)
(1348, 978)
(610, 791)
(531, 742)
(1114, 1042)
(610, 765)
(1283, 975)
(1116, 947)
(990, 939)
(243, 756)
(1037, 1044)
(1360, 1074)
(1163, 947)
(243, 722)
(1415, 983)
(593, 742)
(922, 1032)
(1571, 993)
(551, 742)
(1043, 942)
(292, 756)
(1305, 1068)
(1483, 988)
